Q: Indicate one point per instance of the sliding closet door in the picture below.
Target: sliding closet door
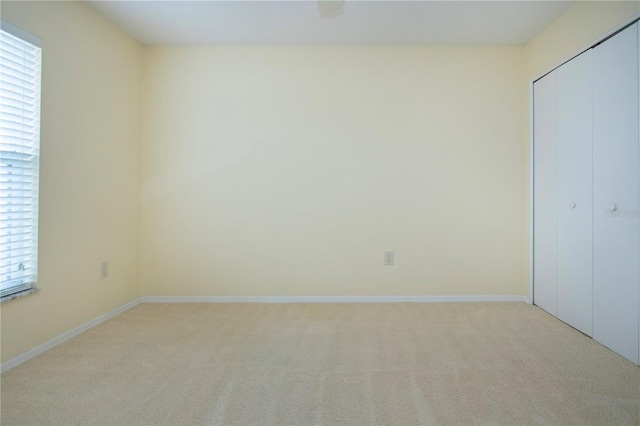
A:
(575, 193)
(616, 255)
(545, 187)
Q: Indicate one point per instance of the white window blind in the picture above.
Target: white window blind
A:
(20, 65)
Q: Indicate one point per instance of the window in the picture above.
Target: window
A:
(20, 64)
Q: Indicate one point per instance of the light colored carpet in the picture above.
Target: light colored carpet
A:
(400, 364)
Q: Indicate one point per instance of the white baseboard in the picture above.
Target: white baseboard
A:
(5, 366)
(331, 299)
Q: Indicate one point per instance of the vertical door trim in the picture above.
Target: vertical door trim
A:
(531, 192)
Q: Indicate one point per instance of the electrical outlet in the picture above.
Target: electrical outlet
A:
(104, 269)
(388, 257)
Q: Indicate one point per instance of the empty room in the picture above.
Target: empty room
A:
(320, 212)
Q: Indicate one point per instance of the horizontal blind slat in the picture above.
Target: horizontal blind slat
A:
(14, 237)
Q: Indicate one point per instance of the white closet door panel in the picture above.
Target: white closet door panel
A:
(616, 255)
(545, 184)
(575, 193)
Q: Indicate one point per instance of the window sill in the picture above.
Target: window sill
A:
(19, 294)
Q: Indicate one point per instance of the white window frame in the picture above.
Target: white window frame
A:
(15, 281)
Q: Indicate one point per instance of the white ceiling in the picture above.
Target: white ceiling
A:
(299, 22)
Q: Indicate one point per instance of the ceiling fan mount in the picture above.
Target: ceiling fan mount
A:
(330, 8)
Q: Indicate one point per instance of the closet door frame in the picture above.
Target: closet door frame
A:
(531, 138)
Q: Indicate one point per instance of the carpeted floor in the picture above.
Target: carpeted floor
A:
(396, 364)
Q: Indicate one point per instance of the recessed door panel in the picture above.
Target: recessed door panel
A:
(545, 187)
(575, 193)
(616, 254)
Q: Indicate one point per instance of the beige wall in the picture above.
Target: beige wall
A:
(90, 173)
(291, 170)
